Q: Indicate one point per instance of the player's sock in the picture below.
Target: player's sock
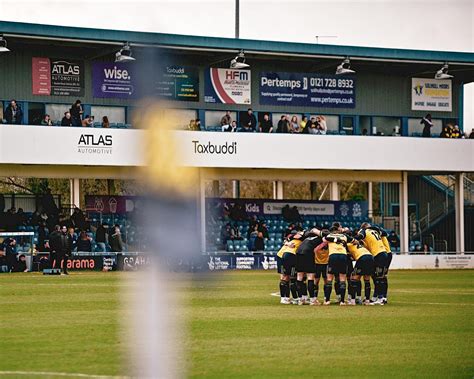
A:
(337, 286)
(367, 289)
(316, 289)
(327, 290)
(342, 290)
(385, 292)
(376, 288)
(352, 289)
(300, 287)
(311, 289)
(293, 288)
(284, 289)
(358, 288)
(305, 289)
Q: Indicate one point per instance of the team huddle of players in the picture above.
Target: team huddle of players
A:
(306, 256)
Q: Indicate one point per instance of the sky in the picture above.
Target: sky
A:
(421, 24)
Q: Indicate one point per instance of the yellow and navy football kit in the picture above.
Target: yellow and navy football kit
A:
(337, 244)
(321, 258)
(286, 257)
(363, 258)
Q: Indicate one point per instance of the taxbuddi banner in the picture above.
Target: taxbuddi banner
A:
(307, 89)
(262, 207)
(119, 81)
(431, 95)
(57, 77)
(227, 86)
(112, 204)
(178, 83)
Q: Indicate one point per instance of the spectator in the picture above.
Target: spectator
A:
(365, 132)
(286, 213)
(312, 126)
(226, 120)
(457, 132)
(72, 238)
(447, 131)
(226, 233)
(67, 119)
(46, 121)
(9, 248)
(87, 122)
(84, 242)
(192, 125)
(283, 125)
(101, 237)
(78, 219)
(64, 249)
(471, 136)
(22, 218)
(294, 126)
(105, 122)
(43, 235)
(116, 243)
(230, 128)
(321, 122)
(393, 239)
(21, 265)
(303, 123)
(249, 122)
(235, 232)
(266, 125)
(197, 125)
(54, 245)
(76, 113)
(13, 113)
(262, 228)
(428, 124)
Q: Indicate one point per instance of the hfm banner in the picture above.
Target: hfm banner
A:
(112, 204)
(261, 207)
(227, 86)
(309, 90)
(57, 77)
(178, 83)
(431, 95)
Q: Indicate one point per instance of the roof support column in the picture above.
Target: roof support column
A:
(370, 207)
(202, 210)
(75, 192)
(235, 189)
(278, 190)
(334, 194)
(459, 211)
(403, 194)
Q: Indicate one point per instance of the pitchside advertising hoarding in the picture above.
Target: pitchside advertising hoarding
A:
(262, 207)
(431, 95)
(112, 204)
(57, 77)
(307, 89)
(227, 86)
(119, 80)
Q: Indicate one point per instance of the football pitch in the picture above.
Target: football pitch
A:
(237, 329)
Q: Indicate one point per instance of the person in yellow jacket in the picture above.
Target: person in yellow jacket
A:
(286, 265)
(364, 267)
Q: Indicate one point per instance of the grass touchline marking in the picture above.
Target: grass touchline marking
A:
(66, 374)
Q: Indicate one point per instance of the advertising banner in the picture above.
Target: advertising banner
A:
(112, 204)
(431, 95)
(112, 80)
(179, 83)
(307, 89)
(227, 86)
(66, 77)
(262, 207)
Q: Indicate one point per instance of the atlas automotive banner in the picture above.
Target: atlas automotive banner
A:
(431, 95)
(227, 86)
(178, 83)
(113, 80)
(57, 77)
(112, 204)
(307, 89)
(259, 207)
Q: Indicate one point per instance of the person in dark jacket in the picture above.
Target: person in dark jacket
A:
(67, 119)
(116, 243)
(64, 249)
(54, 246)
(283, 125)
(13, 113)
(84, 242)
(101, 237)
(248, 121)
(428, 124)
(78, 219)
(9, 249)
(266, 125)
(76, 113)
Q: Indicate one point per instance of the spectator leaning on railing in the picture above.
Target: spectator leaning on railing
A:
(266, 125)
(76, 113)
(67, 119)
(428, 124)
(13, 113)
(46, 121)
(248, 121)
(105, 122)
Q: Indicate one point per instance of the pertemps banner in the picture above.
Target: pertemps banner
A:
(308, 90)
(431, 95)
(65, 77)
(227, 86)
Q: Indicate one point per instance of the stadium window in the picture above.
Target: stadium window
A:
(364, 125)
(180, 118)
(347, 124)
(386, 126)
(36, 112)
(114, 114)
(415, 128)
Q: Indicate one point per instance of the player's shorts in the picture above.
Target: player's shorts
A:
(305, 262)
(349, 266)
(365, 265)
(286, 265)
(381, 262)
(321, 270)
(337, 264)
(389, 255)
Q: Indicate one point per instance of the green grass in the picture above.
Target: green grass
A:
(236, 329)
